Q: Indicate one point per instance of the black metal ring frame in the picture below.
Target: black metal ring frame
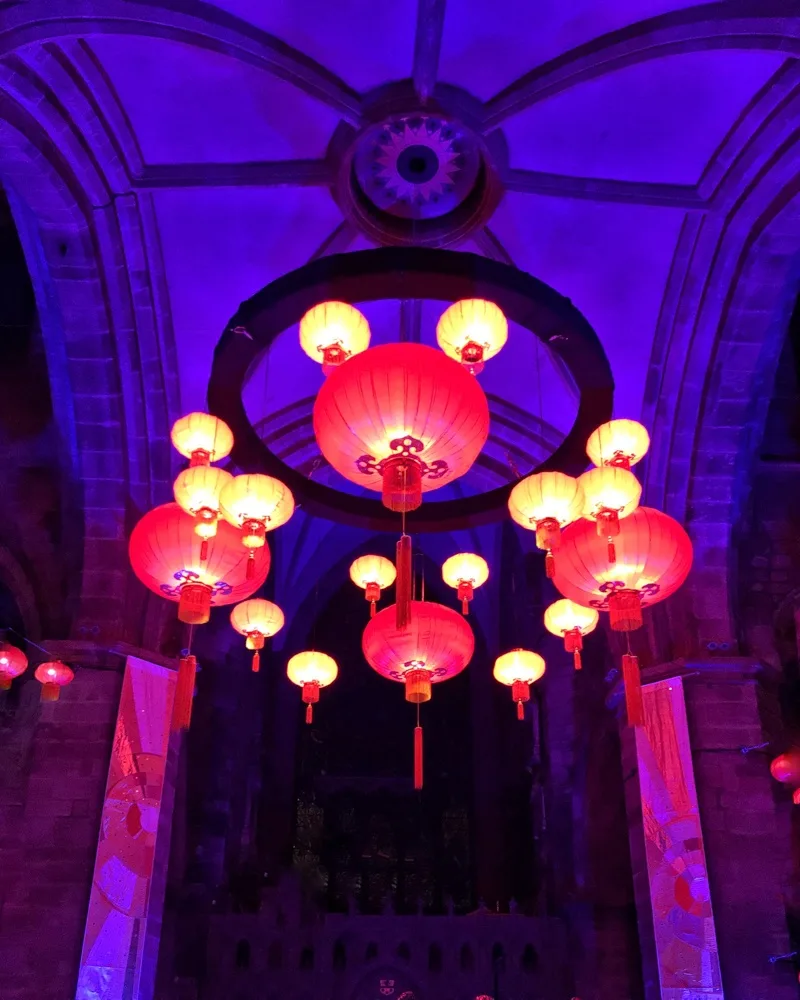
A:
(406, 273)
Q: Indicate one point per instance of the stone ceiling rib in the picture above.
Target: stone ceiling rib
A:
(276, 173)
(338, 241)
(428, 46)
(682, 196)
(205, 27)
(739, 24)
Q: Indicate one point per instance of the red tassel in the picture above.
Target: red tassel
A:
(184, 693)
(204, 550)
(251, 565)
(465, 607)
(612, 552)
(549, 566)
(576, 658)
(418, 758)
(256, 662)
(372, 610)
(633, 689)
(309, 714)
(521, 711)
(403, 586)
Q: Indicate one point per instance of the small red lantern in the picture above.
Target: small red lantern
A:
(13, 662)
(311, 671)
(257, 620)
(573, 622)
(786, 768)
(654, 556)
(202, 438)
(53, 675)
(545, 503)
(166, 555)
(401, 419)
(434, 646)
(519, 669)
(464, 572)
(374, 574)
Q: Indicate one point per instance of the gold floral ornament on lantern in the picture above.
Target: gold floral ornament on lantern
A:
(202, 438)
(257, 620)
(519, 669)
(311, 671)
(464, 572)
(472, 331)
(373, 574)
(545, 503)
(332, 332)
(197, 490)
(53, 676)
(256, 504)
(622, 443)
(610, 493)
(571, 621)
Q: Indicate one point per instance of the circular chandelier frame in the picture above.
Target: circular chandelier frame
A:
(406, 273)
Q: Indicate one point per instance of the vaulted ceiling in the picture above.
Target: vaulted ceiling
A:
(641, 156)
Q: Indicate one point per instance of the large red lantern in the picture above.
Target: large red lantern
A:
(402, 419)
(654, 556)
(436, 645)
(166, 555)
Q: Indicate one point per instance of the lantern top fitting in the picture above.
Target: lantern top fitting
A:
(618, 442)
(332, 332)
(518, 665)
(472, 331)
(312, 667)
(202, 438)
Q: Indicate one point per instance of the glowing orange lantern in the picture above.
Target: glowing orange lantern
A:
(13, 662)
(257, 620)
(572, 621)
(311, 671)
(373, 574)
(202, 438)
(472, 331)
(619, 442)
(332, 332)
(786, 768)
(610, 493)
(654, 556)
(165, 554)
(197, 491)
(256, 504)
(436, 645)
(518, 670)
(545, 503)
(796, 801)
(53, 676)
(402, 419)
(464, 572)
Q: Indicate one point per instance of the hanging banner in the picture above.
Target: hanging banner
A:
(117, 961)
(683, 921)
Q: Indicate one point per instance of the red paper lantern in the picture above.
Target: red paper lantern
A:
(53, 676)
(13, 662)
(165, 554)
(436, 645)
(311, 671)
(786, 768)
(257, 620)
(518, 669)
(573, 622)
(654, 556)
(402, 419)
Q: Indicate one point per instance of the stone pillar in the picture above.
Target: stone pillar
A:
(744, 836)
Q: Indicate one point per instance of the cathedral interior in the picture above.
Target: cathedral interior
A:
(348, 349)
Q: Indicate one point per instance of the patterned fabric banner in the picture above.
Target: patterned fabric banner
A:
(685, 937)
(119, 905)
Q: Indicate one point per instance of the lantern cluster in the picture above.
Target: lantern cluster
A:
(209, 547)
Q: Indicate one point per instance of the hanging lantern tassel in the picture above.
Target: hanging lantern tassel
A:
(465, 594)
(608, 525)
(612, 552)
(184, 693)
(633, 689)
(573, 643)
(256, 662)
(372, 592)
(521, 692)
(255, 640)
(549, 565)
(310, 697)
(204, 550)
(418, 758)
(403, 605)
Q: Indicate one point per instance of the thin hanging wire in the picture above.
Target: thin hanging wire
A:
(537, 361)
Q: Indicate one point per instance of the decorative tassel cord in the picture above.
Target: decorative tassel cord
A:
(633, 686)
(184, 689)
(418, 773)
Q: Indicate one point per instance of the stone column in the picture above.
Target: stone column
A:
(744, 837)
